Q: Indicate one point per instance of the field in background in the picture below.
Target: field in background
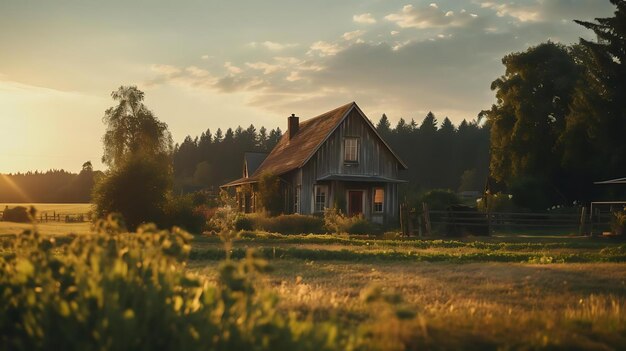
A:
(50, 208)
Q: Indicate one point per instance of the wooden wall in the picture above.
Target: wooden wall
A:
(374, 160)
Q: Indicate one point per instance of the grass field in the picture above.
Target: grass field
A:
(505, 292)
(50, 228)
(50, 208)
(501, 292)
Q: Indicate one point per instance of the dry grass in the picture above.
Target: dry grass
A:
(466, 306)
(49, 228)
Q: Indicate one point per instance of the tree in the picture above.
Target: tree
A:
(593, 141)
(137, 150)
(384, 126)
(132, 129)
(533, 100)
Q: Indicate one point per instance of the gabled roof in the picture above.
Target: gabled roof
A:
(292, 154)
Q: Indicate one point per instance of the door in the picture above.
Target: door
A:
(355, 202)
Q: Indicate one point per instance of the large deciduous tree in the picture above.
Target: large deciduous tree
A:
(533, 100)
(132, 129)
(137, 149)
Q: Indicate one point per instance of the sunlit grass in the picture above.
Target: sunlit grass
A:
(64, 208)
(469, 306)
(48, 228)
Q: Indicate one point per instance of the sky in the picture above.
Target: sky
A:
(219, 64)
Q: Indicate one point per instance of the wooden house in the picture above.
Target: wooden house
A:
(336, 159)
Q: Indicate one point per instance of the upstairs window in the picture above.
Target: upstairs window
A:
(321, 196)
(379, 198)
(351, 150)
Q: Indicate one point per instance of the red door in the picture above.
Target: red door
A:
(355, 202)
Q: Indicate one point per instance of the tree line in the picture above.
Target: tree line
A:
(559, 122)
(51, 186)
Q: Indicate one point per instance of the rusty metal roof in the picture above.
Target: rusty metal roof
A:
(292, 154)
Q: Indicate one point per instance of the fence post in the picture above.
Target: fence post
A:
(583, 217)
(427, 219)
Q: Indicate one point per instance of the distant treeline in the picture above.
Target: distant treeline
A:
(447, 156)
(58, 186)
(211, 160)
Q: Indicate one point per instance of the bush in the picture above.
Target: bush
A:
(440, 199)
(336, 222)
(137, 190)
(244, 223)
(115, 291)
(180, 211)
(289, 224)
(16, 214)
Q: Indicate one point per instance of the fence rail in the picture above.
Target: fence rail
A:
(470, 221)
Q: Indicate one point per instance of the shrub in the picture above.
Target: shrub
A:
(269, 194)
(137, 190)
(244, 223)
(336, 222)
(440, 199)
(180, 211)
(289, 224)
(111, 290)
(16, 214)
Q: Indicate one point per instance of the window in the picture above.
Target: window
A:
(296, 201)
(379, 198)
(321, 195)
(351, 150)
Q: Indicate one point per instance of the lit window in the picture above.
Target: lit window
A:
(379, 197)
(351, 150)
(296, 202)
(321, 194)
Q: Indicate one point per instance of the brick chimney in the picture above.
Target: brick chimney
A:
(293, 125)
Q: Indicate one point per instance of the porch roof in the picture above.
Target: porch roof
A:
(240, 181)
(360, 178)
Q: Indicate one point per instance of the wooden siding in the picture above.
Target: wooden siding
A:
(374, 160)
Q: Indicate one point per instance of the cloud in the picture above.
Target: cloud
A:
(549, 10)
(352, 35)
(364, 18)
(430, 16)
(323, 48)
(232, 68)
(272, 45)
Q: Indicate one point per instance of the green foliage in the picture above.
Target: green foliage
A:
(17, 214)
(132, 129)
(244, 223)
(336, 222)
(137, 190)
(285, 224)
(533, 101)
(440, 199)
(136, 148)
(120, 291)
(181, 211)
(269, 194)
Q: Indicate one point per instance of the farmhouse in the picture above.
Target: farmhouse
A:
(336, 159)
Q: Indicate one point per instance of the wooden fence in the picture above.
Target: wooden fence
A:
(457, 222)
(46, 217)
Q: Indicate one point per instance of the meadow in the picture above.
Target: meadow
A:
(500, 292)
